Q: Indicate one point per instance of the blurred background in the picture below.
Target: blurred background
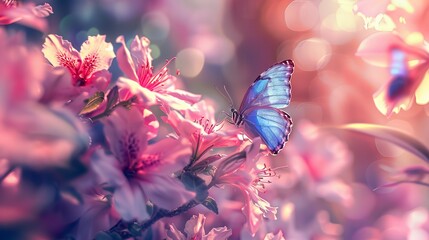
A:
(229, 43)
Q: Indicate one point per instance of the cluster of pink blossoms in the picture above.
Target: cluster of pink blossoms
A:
(400, 47)
(84, 156)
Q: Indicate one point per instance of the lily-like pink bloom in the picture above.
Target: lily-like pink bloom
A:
(25, 13)
(87, 67)
(152, 88)
(138, 171)
(32, 134)
(243, 171)
(198, 125)
(408, 66)
(194, 230)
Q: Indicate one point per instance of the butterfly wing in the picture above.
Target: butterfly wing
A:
(399, 71)
(271, 124)
(271, 88)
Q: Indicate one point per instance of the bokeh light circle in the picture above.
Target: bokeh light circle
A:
(301, 15)
(156, 26)
(312, 54)
(190, 62)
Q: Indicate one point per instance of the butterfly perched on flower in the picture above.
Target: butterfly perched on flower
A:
(260, 112)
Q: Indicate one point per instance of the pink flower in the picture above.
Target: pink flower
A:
(197, 124)
(408, 67)
(21, 69)
(312, 149)
(194, 230)
(95, 215)
(27, 14)
(151, 88)
(32, 134)
(243, 171)
(272, 236)
(140, 172)
(377, 14)
(87, 67)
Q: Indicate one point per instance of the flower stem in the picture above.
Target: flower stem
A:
(107, 112)
(121, 227)
(161, 213)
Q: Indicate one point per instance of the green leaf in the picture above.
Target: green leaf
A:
(103, 236)
(93, 103)
(112, 97)
(395, 136)
(211, 204)
(115, 236)
(209, 170)
(192, 182)
(135, 229)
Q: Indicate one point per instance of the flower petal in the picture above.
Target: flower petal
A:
(174, 233)
(26, 14)
(130, 202)
(60, 52)
(140, 53)
(376, 49)
(96, 54)
(126, 133)
(194, 227)
(219, 233)
(147, 96)
(125, 61)
(159, 188)
(422, 96)
(370, 8)
(37, 136)
(388, 106)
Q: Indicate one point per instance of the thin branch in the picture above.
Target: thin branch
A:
(121, 226)
(401, 182)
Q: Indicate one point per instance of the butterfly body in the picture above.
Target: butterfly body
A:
(260, 111)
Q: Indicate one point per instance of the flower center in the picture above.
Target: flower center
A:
(142, 164)
(263, 176)
(207, 126)
(151, 82)
(10, 3)
(129, 148)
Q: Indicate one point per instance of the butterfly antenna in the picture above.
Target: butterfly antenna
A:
(229, 96)
(226, 113)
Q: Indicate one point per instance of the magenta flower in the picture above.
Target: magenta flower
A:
(32, 134)
(243, 171)
(140, 172)
(87, 67)
(408, 65)
(199, 127)
(25, 13)
(152, 88)
(194, 230)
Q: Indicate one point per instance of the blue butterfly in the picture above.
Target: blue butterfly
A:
(259, 111)
(399, 71)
